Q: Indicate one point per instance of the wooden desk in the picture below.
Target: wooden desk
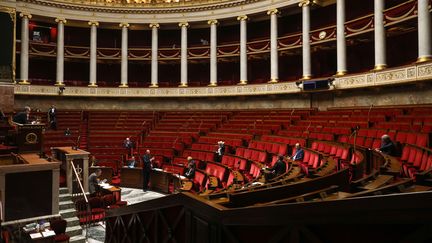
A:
(80, 159)
(159, 180)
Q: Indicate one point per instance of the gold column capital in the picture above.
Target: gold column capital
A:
(124, 25)
(305, 3)
(273, 11)
(243, 17)
(95, 23)
(183, 24)
(154, 25)
(213, 21)
(61, 20)
(25, 15)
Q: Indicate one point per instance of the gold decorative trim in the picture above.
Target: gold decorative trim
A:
(61, 20)
(273, 80)
(95, 23)
(92, 85)
(26, 15)
(212, 84)
(154, 86)
(183, 24)
(273, 11)
(59, 83)
(123, 86)
(154, 25)
(340, 73)
(306, 77)
(124, 25)
(424, 59)
(380, 67)
(242, 17)
(213, 21)
(183, 86)
(24, 82)
(242, 82)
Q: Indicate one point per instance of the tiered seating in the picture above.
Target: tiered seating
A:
(199, 155)
(274, 148)
(287, 140)
(252, 154)
(416, 160)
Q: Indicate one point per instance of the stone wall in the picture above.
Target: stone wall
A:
(6, 97)
(378, 96)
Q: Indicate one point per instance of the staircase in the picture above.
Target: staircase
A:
(83, 135)
(68, 212)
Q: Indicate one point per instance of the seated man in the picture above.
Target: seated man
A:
(23, 117)
(299, 154)
(278, 169)
(93, 181)
(131, 162)
(387, 146)
(190, 170)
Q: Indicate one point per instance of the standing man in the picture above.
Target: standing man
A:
(22, 117)
(128, 145)
(93, 181)
(52, 117)
(147, 166)
(220, 151)
(190, 170)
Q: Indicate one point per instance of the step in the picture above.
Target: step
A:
(66, 205)
(67, 213)
(64, 190)
(65, 197)
(77, 239)
(72, 221)
(380, 181)
(74, 230)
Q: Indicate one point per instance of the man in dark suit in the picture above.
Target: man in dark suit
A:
(299, 154)
(22, 117)
(190, 170)
(128, 145)
(52, 117)
(387, 146)
(147, 166)
(220, 151)
(93, 181)
(278, 169)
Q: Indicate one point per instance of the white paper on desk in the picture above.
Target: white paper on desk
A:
(181, 177)
(107, 187)
(157, 169)
(48, 233)
(36, 235)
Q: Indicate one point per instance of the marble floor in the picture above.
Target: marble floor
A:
(96, 233)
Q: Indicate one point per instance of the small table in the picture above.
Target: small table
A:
(43, 236)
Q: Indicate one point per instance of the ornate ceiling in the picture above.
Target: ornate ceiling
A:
(144, 3)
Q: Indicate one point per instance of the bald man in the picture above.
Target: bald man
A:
(147, 166)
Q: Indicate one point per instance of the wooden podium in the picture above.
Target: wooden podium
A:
(80, 158)
(29, 137)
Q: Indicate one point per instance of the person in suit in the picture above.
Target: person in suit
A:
(299, 154)
(278, 169)
(190, 170)
(52, 117)
(131, 162)
(128, 145)
(220, 151)
(147, 166)
(387, 146)
(22, 117)
(93, 181)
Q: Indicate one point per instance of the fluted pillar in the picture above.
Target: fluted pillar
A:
(124, 56)
(380, 35)
(424, 31)
(243, 49)
(154, 56)
(340, 38)
(93, 55)
(24, 48)
(274, 58)
(213, 52)
(183, 55)
(60, 51)
(307, 70)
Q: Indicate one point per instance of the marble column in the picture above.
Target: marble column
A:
(213, 52)
(380, 35)
(124, 56)
(154, 56)
(24, 48)
(307, 70)
(183, 55)
(93, 54)
(243, 49)
(60, 51)
(424, 31)
(340, 38)
(274, 58)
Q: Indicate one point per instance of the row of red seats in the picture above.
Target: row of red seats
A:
(177, 146)
(311, 160)
(270, 147)
(339, 152)
(252, 154)
(287, 140)
(204, 147)
(243, 136)
(233, 142)
(234, 162)
(415, 159)
(322, 136)
(200, 155)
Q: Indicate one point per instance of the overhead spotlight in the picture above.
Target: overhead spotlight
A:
(61, 89)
